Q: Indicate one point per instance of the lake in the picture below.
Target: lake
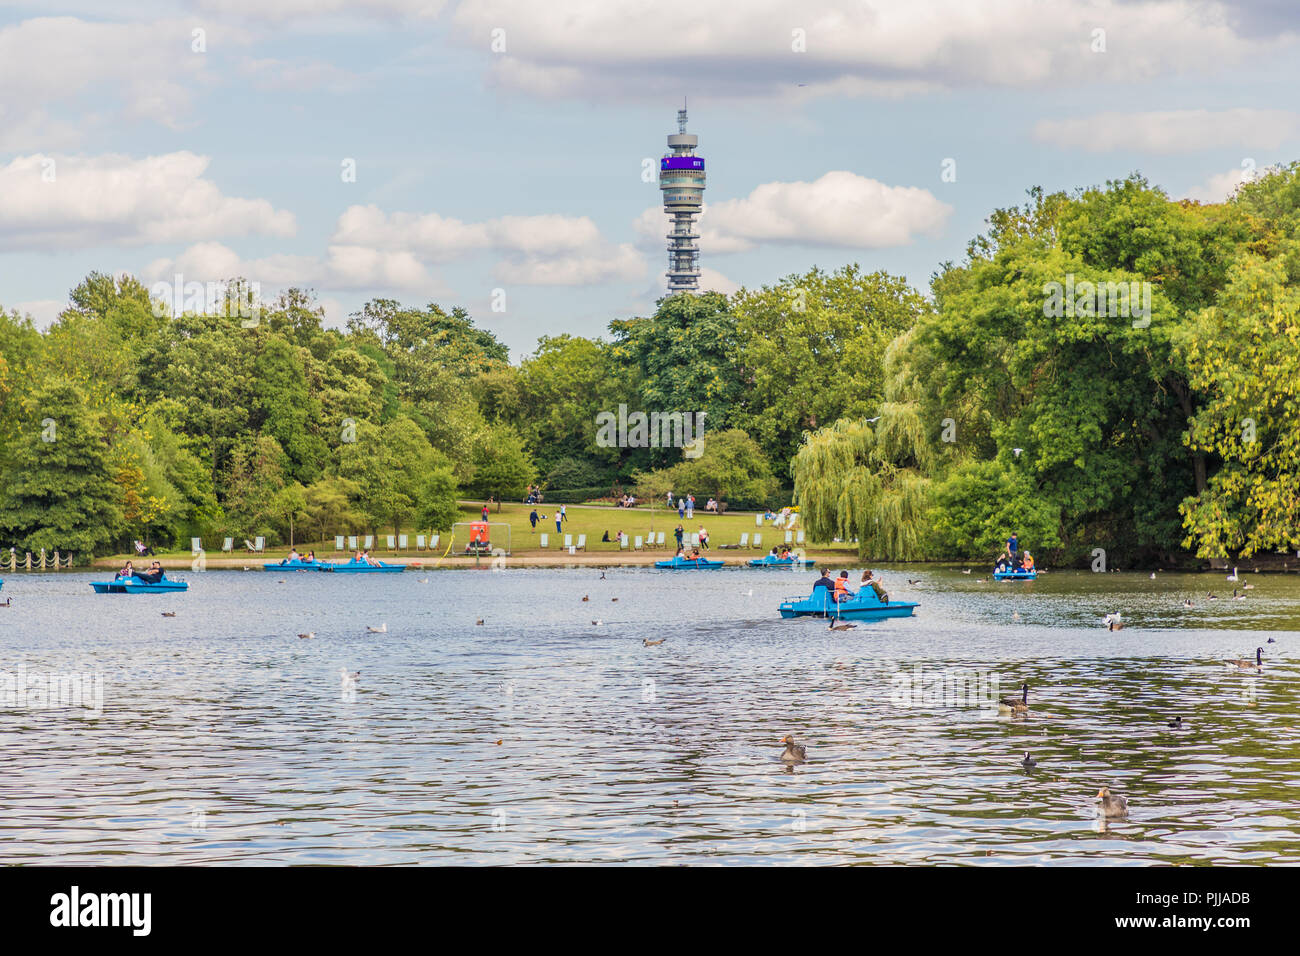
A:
(540, 737)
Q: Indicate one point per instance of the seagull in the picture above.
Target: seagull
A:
(1153, 575)
(347, 678)
(1029, 762)
(381, 629)
(749, 593)
(980, 581)
(1113, 623)
(308, 636)
(873, 420)
(649, 643)
(1015, 615)
(424, 580)
(967, 571)
(597, 623)
(1017, 451)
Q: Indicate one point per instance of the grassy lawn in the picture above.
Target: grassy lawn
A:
(591, 520)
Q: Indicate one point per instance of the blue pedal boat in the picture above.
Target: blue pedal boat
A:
(863, 606)
(135, 585)
(296, 566)
(767, 561)
(688, 564)
(360, 567)
(1015, 575)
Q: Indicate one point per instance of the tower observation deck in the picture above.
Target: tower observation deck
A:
(681, 180)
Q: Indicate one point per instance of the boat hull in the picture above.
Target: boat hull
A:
(136, 586)
(295, 566)
(860, 608)
(701, 565)
(780, 563)
(1014, 575)
(360, 567)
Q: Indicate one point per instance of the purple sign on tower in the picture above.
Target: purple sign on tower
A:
(681, 162)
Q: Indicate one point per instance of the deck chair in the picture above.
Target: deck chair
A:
(695, 539)
(622, 541)
(636, 543)
(228, 544)
(352, 542)
(659, 540)
(403, 542)
(789, 537)
(758, 540)
(433, 544)
(370, 542)
(392, 542)
(799, 537)
(758, 520)
(582, 542)
(744, 540)
(196, 545)
(338, 542)
(419, 542)
(544, 540)
(568, 541)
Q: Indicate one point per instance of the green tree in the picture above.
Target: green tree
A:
(502, 467)
(58, 490)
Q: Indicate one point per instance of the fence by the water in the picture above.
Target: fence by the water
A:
(41, 563)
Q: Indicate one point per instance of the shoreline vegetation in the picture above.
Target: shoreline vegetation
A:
(1108, 372)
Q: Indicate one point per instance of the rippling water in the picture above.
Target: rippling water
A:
(540, 737)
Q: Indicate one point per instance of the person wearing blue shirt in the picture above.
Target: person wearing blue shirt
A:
(1012, 545)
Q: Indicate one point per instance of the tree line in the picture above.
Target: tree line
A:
(1012, 396)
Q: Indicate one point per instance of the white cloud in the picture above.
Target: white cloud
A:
(1172, 131)
(536, 250)
(342, 268)
(1221, 186)
(42, 311)
(308, 11)
(620, 48)
(131, 70)
(621, 264)
(711, 280)
(840, 209)
(114, 199)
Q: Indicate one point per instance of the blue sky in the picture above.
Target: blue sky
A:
(825, 126)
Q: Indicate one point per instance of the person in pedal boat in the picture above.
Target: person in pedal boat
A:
(153, 575)
(1028, 564)
(293, 558)
(873, 582)
(842, 592)
(824, 582)
(128, 571)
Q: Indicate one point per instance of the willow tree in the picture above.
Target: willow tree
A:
(868, 480)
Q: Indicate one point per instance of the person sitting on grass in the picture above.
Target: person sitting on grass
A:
(605, 539)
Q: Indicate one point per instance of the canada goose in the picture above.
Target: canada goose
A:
(910, 581)
(7, 602)
(1212, 597)
(613, 599)
(1176, 723)
(1256, 663)
(1029, 762)
(1248, 587)
(979, 580)
(602, 575)
(381, 629)
(478, 622)
(794, 753)
(597, 623)
(1112, 804)
(646, 642)
(168, 613)
(1012, 705)
(843, 626)
(1236, 596)
(308, 636)
(1271, 640)
(1187, 603)
(586, 597)
(1233, 575)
